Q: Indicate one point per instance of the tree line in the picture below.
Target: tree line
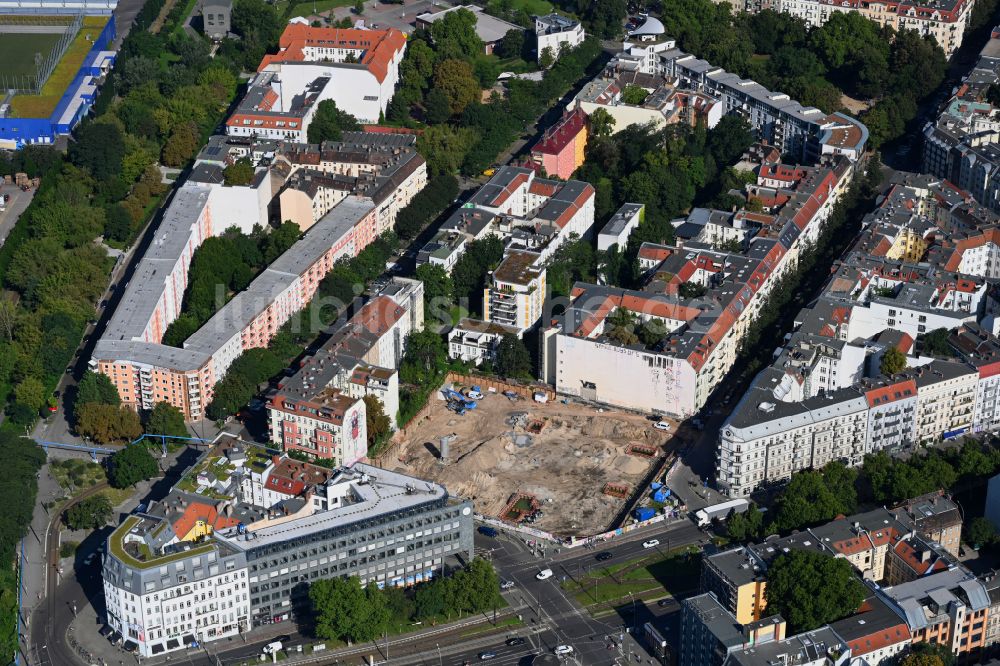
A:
(223, 266)
(18, 486)
(442, 76)
(813, 497)
(164, 95)
(344, 610)
(890, 72)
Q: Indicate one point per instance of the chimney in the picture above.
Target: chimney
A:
(275, 459)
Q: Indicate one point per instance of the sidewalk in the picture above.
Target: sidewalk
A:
(86, 626)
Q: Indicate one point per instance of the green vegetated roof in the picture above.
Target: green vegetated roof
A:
(117, 547)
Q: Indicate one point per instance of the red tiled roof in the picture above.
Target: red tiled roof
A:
(562, 133)
(196, 511)
(891, 393)
(380, 46)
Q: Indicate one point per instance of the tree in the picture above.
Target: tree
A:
(513, 359)
(107, 423)
(916, 659)
(181, 146)
(939, 654)
(31, 393)
(131, 465)
(346, 611)
(100, 148)
(893, 362)
(512, 44)
(602, 123)
(425, 358)
(745, 526)
(165, 419)
(808, 500)
(634, 95)
(437, 107)
(810, 589)
(240, 172)
(455, 79)
(89, 514)
(437, 284)
(330, 123)
(455, 37)
(546, 58)
(980, 532)
(379, 424)
(96, 387)
(935, 343)
(359, 7)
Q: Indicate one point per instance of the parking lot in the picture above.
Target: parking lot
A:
(18, 202)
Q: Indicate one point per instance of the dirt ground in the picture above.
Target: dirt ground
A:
(564, 466)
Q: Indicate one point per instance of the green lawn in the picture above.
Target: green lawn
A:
(644, 577)
(17, 51)
(533, 6)
(42, 106)
(307, 8)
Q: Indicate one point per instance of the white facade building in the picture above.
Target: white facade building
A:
(556, 32)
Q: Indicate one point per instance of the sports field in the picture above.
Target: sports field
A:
(17, 51)
(42, 106)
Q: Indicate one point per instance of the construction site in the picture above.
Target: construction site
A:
(563, 468)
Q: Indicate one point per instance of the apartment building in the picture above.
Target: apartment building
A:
(666, 103)
(889, 289)
(620, 226)
(875, 634)
(735, 579)
(357, 69)
(884, 546)
(560, 151)
(235, 542)
(711, 636)
(320, 410)
(516, 291)
(805, 132)
(526, 211)
(701, 334)
(383, 167)
(962, 143)
(146, 372)
(475, 341)
(949, 608)
(944, 21)
(130, 352)
(556, 32)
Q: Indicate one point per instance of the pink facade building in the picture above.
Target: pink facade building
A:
(561, 150)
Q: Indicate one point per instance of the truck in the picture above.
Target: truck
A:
(720, 511)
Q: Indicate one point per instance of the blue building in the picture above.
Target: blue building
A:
(74, 104)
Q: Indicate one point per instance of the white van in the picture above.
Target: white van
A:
(271, 648)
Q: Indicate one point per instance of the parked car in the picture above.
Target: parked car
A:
(652, 543)
(544, 574)
(603, 556)
(486, 530)
(506, 585)
(661, 425)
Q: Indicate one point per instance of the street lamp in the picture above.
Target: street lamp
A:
(438, 646)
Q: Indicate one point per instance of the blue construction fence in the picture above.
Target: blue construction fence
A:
(76, 101)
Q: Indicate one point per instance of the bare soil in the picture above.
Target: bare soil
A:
(562, 454)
